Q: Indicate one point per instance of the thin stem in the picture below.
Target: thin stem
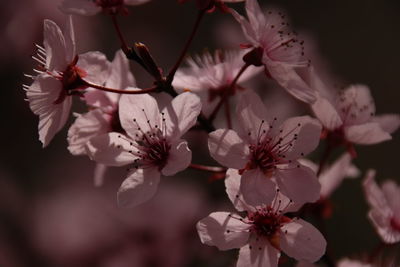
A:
(228, 114)
(119, 91)
(207, 168)
(172, 72)
(129, 52)
(227, 92)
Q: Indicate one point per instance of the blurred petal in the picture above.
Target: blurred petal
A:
(99, 173)
(366, 134)
(140, 186)
(326, 113)
(223, 230)
(80, 7)
(388, 122)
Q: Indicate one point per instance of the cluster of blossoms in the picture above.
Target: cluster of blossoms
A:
(268, 179)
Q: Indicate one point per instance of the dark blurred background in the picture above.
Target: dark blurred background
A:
(52, 215)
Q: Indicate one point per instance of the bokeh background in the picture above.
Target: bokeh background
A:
(52, 215)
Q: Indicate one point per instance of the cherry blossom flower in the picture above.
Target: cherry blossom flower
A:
(210, 76)
(349, 118)
(276, 47)
(263, 233)
(152, 143)
(90, 7)
(60, 75)
(266, 154)
(385, 207)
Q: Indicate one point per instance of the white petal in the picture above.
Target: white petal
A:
(85, 127)
(255, 15)
(258, 254)
(232, 185)
(96, 67)
(120, 75)
(228, 148)
(99, 174)
(257, 188)
(287, 77)
(70, 43)
(181, 114)
(223, 230)
(80, 7)
(252, 115)
(179, 158)
(112, 149)
(54, 44)
(388, 122)
(366, 134)
(302, 241)
(143, 109)
(299, 183)
(334, 175)
(140, 186)
(326, 113)
(42, 95)
(300, 136)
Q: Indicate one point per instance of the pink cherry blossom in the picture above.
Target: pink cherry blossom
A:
(90, 7)
(210, 76)
(349, 117)
(267, 154)
(263, 233)
(276, 47)
(152, 143)
(384, 202)
(60, 75)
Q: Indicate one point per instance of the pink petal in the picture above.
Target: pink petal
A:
(392, 194)
(302, 241)
(223, 230)
(255, 15)
(382, 225)
(70, 43)
(41, 95)
(99, 174)
(140, 186)
(179, 158)
(96, 67)
(299, 183)
(374, 195)
(252, 115)
(181, 114)
(54, 44)
(257, 188)
(388, 122)
(326, 113)
(228, 148)
(366, 134)
(80, 7)
(232, 185)
(302, 134)
(85, 127)
(258, 254)
(112, 149)
(331, 178)
(287, 77)
(138, 114)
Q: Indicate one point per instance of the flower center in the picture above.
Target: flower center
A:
(155, 149)
(395, 223)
